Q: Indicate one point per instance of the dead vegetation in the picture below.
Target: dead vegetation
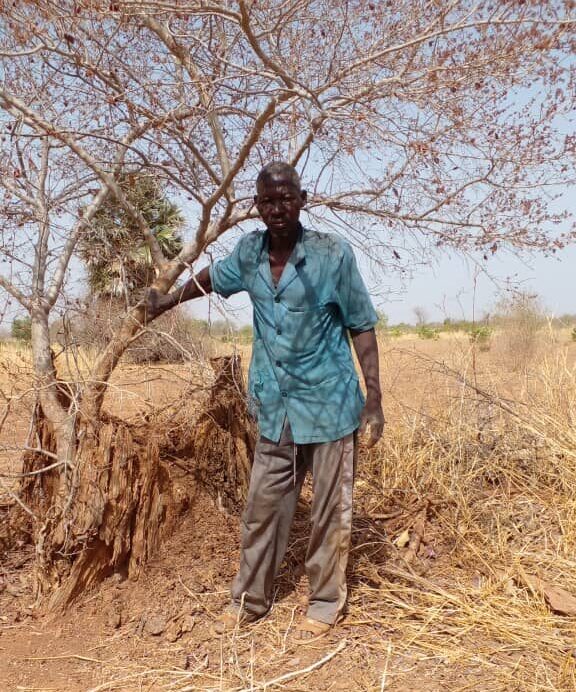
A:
(122, 500)
(462, 573)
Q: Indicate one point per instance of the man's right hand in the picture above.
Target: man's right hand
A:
(155, 303)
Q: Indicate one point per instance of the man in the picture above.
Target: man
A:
(307, 295)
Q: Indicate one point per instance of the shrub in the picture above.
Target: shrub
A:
(480, 335)
(22, 329)
(382, 322)
(426, 332)
(245, 334)
(170, 338)
(521, 318)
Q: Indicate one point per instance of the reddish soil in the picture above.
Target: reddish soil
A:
(132, 628)
(154, 633)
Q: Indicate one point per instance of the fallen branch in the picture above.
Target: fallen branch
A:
(77, 657)
(294, 674)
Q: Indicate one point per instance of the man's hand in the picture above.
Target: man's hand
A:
(372, 418)
(366, 347)
(155, 303)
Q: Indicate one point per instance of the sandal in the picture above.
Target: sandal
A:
(231, 619)
(315, 629)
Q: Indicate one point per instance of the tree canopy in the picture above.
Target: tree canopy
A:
(416, 125)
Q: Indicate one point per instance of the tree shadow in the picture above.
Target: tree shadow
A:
(369, 549)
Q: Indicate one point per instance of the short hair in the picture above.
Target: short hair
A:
(276, 169)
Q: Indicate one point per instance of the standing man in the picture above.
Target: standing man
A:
(307, 295)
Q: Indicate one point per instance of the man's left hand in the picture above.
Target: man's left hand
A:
(372, 418)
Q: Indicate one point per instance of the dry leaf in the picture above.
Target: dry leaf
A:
(403, 539)
(559, 600)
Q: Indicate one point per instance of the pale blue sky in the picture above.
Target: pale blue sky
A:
(447, 288)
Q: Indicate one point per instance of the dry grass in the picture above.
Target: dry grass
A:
(477, 470)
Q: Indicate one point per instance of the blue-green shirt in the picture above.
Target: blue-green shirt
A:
(301, 364)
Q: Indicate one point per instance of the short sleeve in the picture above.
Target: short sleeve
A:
(226, 275)
(352, 296)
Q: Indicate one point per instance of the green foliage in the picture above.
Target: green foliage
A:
(480, 334)
(395, 332)
(573, 334)
(22, 329)
(425, 331)
(118, 260)
(382, 323)
(245, 334)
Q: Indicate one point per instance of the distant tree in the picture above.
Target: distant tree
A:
(521, 316)
(117, 259)
(383, 320)
(22, 329)
(421, 315)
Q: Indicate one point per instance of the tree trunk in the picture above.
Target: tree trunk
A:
(121, 498)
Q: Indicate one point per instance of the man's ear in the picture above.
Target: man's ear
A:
(303, 197)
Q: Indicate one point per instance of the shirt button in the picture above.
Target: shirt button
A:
(278, 363)
(279, 332)
(284, 394)
(276, 299)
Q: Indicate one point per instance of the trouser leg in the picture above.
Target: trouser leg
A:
(275, 485)
(333, 477)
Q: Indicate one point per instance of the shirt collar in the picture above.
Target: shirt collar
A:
(299, 252)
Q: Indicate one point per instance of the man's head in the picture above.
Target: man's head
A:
(279, 199)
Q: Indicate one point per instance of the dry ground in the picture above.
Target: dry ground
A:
(469, 496)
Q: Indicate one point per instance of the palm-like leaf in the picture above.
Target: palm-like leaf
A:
(118, 261)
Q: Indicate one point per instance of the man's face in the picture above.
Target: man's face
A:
(279, 202)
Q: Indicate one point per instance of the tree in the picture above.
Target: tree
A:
(22, 329)
(420, 315)
(417, 126)
(119, 266)
(382, 323)
(118, 261)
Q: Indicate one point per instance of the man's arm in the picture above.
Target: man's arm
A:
(156, 303)
(366, 347)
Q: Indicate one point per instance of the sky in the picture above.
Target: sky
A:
(451, 287)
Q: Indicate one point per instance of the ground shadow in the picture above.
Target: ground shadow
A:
(369, 544)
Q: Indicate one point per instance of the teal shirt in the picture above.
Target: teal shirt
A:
(302, 365)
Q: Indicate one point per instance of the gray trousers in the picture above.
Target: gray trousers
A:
(277, 476)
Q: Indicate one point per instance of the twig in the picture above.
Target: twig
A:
(417, 536)
(33, 473)
(296, 673)
(62, 657)
(16, 499)
(390, 515)
(386, 664)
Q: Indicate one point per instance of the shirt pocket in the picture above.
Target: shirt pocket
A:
(261, 390)
(307, 326)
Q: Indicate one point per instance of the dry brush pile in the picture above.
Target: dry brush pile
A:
(475, 496)
(130, 495)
